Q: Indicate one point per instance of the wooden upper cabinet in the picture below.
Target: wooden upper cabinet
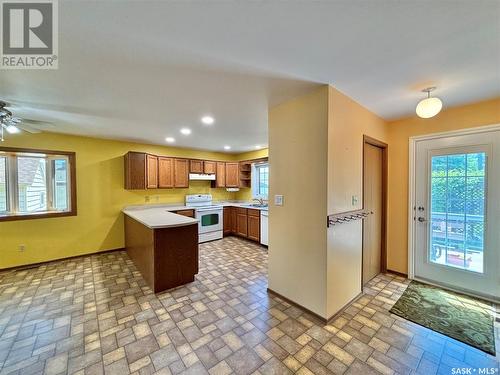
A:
(135, 170)
(151, 171)
(196, 166)
(209, 167)
(220, 175)
(181, 173)
(165, 172)
(232, 175)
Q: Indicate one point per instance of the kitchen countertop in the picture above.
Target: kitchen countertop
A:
(158, 216)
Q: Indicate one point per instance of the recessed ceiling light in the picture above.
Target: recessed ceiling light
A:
(207, 120)
(186, 131)
(258, 147)
(227, 147)
(170, 139)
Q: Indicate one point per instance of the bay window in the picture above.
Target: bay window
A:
(36, 184)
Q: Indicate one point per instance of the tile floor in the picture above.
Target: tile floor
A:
(95, 315)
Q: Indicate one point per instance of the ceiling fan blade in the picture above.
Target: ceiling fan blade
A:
(36, 122)
(28, 128)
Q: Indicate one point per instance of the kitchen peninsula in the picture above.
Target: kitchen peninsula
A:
(163, 245)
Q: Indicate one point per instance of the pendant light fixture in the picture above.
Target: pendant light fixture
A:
(429, 107)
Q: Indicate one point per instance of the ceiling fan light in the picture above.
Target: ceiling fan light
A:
(11, 129)
(429, 107)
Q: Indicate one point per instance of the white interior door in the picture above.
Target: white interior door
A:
(457, 212)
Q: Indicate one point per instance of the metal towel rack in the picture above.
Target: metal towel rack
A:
(346, 217)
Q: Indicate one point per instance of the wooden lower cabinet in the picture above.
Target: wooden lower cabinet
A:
(227, 221)
(188, 213)
(165, 257)
(233, 220)
(242, 222)
(253, 224)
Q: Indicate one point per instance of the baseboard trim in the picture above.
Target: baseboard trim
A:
(405, 275)
(325, 321)
(341, 311)
(38, 264)
(270, 291)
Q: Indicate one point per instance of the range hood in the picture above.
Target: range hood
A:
(201, 176)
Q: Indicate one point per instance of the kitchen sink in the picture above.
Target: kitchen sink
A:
(257, 205)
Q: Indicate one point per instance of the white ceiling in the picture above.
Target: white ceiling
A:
(141, 70)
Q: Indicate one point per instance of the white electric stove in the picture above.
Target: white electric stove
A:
(210, 216)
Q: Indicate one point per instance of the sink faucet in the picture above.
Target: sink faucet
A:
(260, 200)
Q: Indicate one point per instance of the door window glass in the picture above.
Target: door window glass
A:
(457, 210)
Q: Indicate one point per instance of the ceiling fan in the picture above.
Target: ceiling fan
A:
(12, 124)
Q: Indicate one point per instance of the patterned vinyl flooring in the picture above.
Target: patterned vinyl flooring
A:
(95, 315)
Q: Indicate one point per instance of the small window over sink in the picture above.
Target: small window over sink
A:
(260, 180)
(36, 184)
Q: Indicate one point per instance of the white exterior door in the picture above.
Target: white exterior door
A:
(457, 212)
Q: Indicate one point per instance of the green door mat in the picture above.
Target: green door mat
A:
(463, 318)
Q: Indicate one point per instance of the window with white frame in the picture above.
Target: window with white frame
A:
(260, 180)
(34, 185)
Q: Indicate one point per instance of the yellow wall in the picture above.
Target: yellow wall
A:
(297, 231)
(100, 194)
(467, 116)
(347, 123)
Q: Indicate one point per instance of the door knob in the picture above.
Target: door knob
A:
(421, 219)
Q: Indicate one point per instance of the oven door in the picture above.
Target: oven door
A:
(210, 220)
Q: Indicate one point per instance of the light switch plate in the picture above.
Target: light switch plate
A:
(278, 200)
(354, 200)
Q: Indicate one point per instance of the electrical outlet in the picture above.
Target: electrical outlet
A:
(147, 198)
(21, 248)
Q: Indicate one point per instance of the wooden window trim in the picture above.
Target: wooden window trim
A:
(72, 171)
